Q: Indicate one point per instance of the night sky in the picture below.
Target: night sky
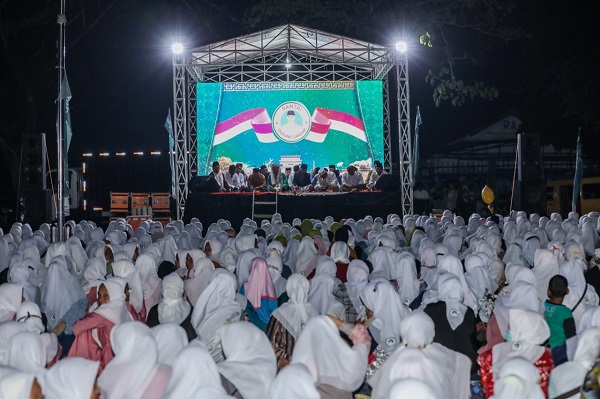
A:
(119, 64)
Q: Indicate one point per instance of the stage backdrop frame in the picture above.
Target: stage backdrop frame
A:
(289, 53)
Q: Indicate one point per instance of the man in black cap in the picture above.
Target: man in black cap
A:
(375, 175)
(219, 177)
(302, 178)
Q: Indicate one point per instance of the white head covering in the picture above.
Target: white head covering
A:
(477, 278)
(26, 352)
(382, 263)
(410, 388)
(170, 340)
(306, 252)
(195, 375)
(294, 382)
(404, 271)
(199, 278)
(294, 314)
(451, 293)
(151, 283)
(127, 270)
(173, 308)
(452, 264)
(8, 329)
(216, 306)
(320, 294)
(16, 385)
(60, 291)
(242, 269)
(545, 266)
(116, 309)
(357, 278)
(340, 252)
(328, 358)
(71, 378)
(388, 312)
(135, 359)
(30, 315)
(11, 296)
(250, 363)
(518, 378)
(275, 269)
(528, 331)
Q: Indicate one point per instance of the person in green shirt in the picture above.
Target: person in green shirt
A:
(559, 318)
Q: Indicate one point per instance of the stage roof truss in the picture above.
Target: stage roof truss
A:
(310, 55)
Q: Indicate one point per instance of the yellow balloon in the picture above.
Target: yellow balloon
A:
(487, 195)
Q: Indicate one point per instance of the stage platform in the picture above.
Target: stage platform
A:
(235, 207)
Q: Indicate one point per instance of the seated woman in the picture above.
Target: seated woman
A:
(134, 372)
(348, 293)
(454, 321)
(249, 367)
(275, 269)
(259, 289)
(30, 315)
(337, 368)
(174, 307)
(212, 249)
(11, 296)
(92, 333)
(528, 332)
(289, 319)
(72, 378)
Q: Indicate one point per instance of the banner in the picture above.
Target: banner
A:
(317, 123)
(65, 94)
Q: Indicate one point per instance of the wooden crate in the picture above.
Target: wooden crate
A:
(161, 202)
(119, 202)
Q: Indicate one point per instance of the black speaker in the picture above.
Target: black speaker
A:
(35, 207)
(533, 196)
(33, 162)
(203, 184)
(531, 158)
(387, 183)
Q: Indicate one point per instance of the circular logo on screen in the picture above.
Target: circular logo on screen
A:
(291, 122)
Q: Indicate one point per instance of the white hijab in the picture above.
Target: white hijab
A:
(518, 379)
(528, 331)
(216, 306)
(71, 378)
(26, 352)
(328, 358)
(151, 283)
(294, 382)
(275, 269)
(357, 278)
(306, 252)
(250, 363)
(199, 278)
(170, 340)
(127, 270)
(173, 308)
(545, 266)
(451, 293)
(195, 375)
(382, 263)
(30, 315)
(452, 264)
(11, 296)
(320, 294)
(404, 271)
(294, 314)
(136, 356)
(388, 312)
(116, 309)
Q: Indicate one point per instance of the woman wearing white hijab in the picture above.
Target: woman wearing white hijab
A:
(532, 244)
(445, 371)
(249, 365)
(528, 332)
(26, 352)
(72, 378)
(20, 273)
(479, 281)
(173, 308)
(170, 340)
(336, 368)
(452, 264)
(320, 295)
(127, 270)
(92, 333)
(198, 278)
(30, 315)
(11, 296)
(403, 275)
(151, 283)
(385, 312)
(570, 375)
(216, 307)
(195, 375)
(94, 274)
(62, 296)
(518, 378)
(275, 269)
(545, 266)
(19, 385)
(288, 320)
(306, 252)
(348, 294)
(382, 263)
(410, 388)
(134, 371)
(294, 382)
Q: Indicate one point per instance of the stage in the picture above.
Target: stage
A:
(235, 207)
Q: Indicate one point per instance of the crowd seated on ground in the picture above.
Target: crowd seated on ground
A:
(387, 308)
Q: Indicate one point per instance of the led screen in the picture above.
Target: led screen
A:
(317, 123)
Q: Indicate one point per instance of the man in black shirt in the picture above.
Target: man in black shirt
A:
(302, 178)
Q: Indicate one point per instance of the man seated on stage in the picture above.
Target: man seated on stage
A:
(375, 175)
(232, 178)
(277, 180)
(333, 169)
(242, 178)
(256, 180)
(351, 180)
(264, 170)
(327, 181)
(219, 177)
(291, 176)
(314, 177)
(302, 178)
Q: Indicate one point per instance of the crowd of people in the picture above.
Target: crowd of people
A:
(297, 178)
(395, 308)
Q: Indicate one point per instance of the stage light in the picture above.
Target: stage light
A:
(177, 48)
(401, 46)
(287, 63)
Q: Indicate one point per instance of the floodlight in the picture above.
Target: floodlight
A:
(401, 46)
(177, 48)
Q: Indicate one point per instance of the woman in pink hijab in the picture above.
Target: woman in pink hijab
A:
(259, 289)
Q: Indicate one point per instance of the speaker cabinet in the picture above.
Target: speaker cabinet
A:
(33, 162)
(35, 207)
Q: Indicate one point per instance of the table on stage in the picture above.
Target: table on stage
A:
(235, 207)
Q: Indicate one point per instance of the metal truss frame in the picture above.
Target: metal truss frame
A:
(287, 53)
